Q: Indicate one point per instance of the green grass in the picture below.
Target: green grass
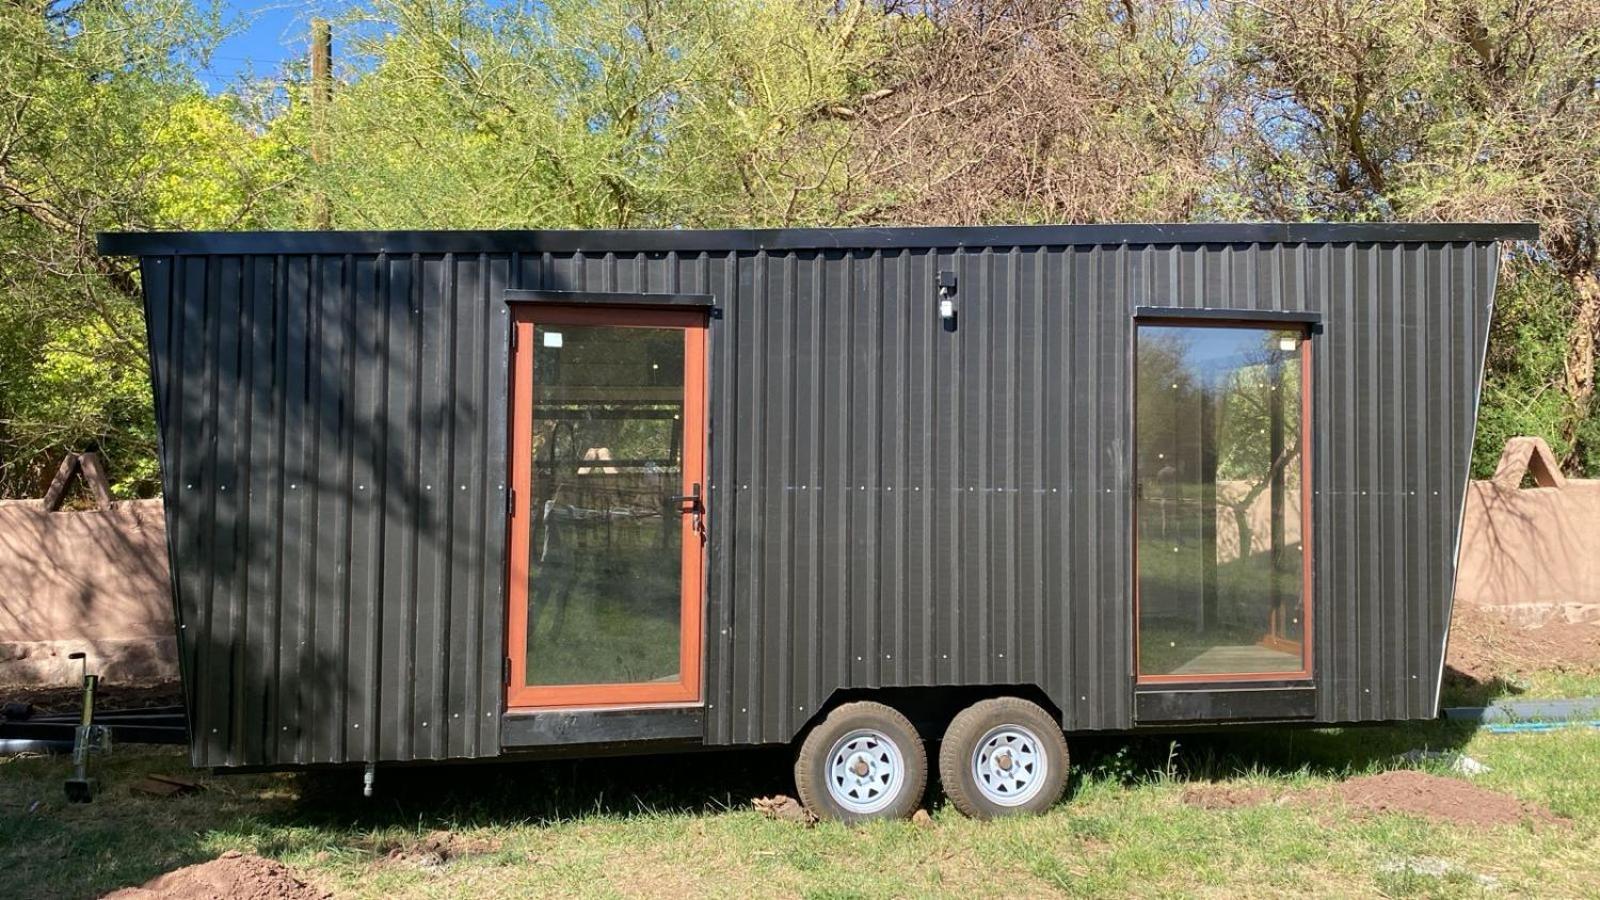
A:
(677, 826)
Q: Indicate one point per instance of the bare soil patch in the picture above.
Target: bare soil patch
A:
(1415, 793)
(235, 875)
(1440, 798)
(1485, 646)
(435, 848)
(1225, 796)
(49, 701)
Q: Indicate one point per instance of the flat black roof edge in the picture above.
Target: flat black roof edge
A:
(166, 243)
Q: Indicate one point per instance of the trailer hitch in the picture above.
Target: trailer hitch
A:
(88, 738)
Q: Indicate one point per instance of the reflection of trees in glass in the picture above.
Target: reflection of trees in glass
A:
(1258, 433)
(1217, 443)
(1167, 390)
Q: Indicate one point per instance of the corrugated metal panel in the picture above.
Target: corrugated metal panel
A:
(333, 438)
(892, 503)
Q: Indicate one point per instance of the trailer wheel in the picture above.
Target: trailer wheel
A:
(865, 761)
(1003, 757)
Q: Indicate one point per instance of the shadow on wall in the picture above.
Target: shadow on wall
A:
(333, 463)
(1528, 552)
(94, 581)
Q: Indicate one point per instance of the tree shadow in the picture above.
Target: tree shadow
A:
(1466, 689)
(1270, 751)
(539, 792)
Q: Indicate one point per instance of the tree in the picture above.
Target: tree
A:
(102, 126)
(1034, 110)
(594, 113)
(1434, 111)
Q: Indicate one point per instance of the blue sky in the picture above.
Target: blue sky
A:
(267, 33)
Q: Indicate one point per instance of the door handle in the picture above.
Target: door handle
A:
(693, 499)
(697, 508)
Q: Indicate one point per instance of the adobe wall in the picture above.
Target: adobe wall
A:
(94, 581)
(1531, 554)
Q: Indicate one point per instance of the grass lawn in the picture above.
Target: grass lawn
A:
(683, 825)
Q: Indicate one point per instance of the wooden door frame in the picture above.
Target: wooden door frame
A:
(1309, 327)
(688, 688)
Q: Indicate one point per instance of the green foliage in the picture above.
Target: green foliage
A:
(104, 127)
(1526, 365)
(592, 113)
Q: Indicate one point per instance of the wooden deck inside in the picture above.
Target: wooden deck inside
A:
(1242, 659)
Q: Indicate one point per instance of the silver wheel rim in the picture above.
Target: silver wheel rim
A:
(865, 771)
(1009, 765)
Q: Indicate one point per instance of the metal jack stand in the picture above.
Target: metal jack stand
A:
(88, 738)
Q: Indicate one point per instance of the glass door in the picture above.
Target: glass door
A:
(1222, 513)
(607, 520)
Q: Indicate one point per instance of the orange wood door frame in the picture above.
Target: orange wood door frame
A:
(687, 689)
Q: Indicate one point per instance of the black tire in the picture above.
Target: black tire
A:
(867, 726)
(1003, 724)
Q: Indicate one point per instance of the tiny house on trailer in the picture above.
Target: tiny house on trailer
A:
(456, 495)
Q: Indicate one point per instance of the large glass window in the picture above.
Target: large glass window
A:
(1219, 439)
(606, 550)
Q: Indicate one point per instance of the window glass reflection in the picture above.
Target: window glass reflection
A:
(1218, 449)
(604, 598)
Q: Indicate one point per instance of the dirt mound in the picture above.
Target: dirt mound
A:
(1436, 797)
(1485, 646)
(1415, 793)
(233, 875)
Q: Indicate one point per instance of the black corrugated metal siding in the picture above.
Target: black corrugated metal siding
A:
(333, 456)
(891, 503)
